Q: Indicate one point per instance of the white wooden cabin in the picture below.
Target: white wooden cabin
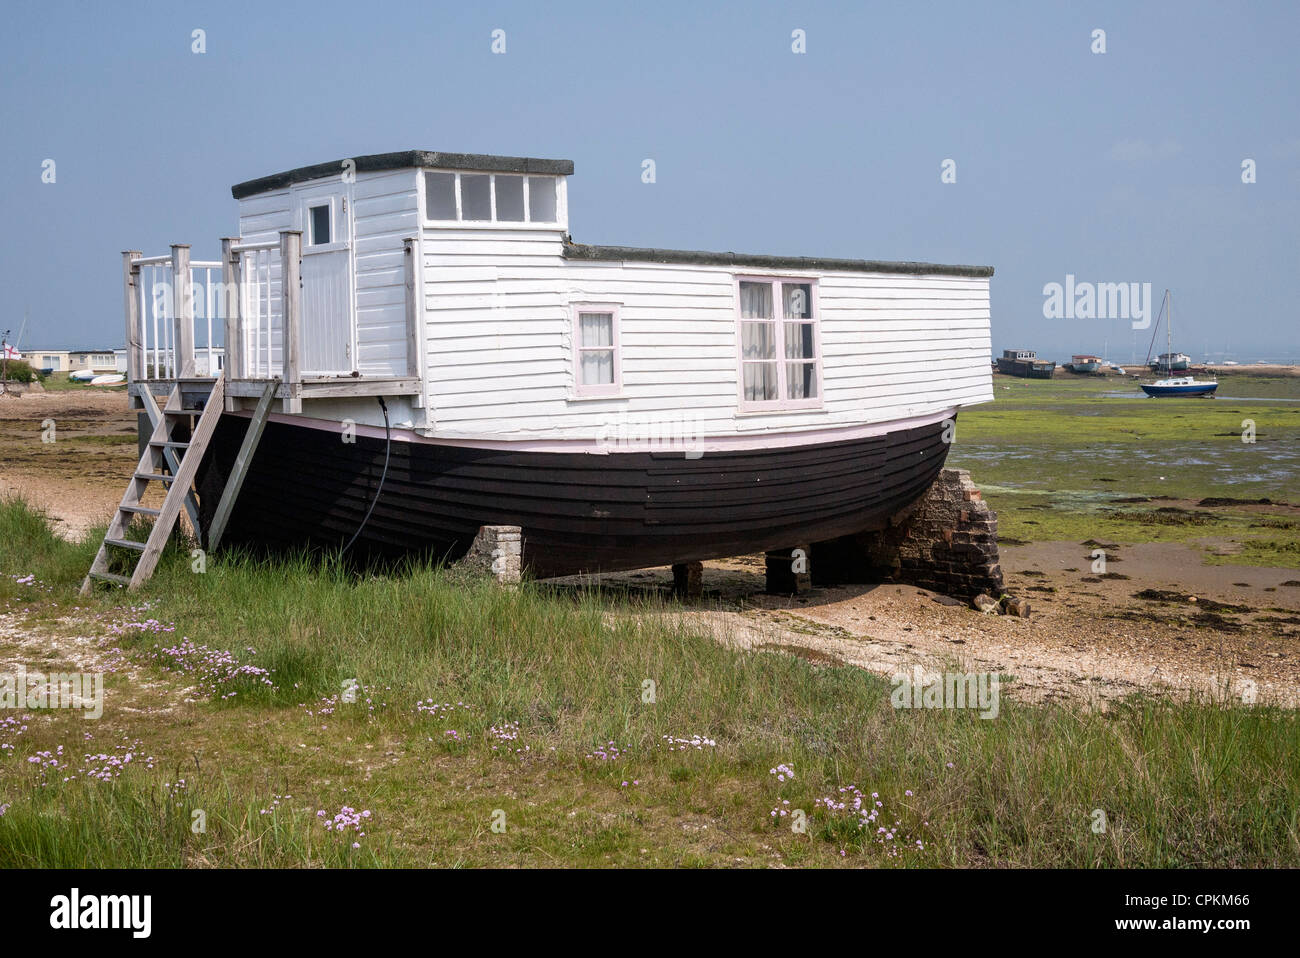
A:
(487, 348)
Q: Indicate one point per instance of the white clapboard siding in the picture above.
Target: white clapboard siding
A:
(499, 336)
(383, 212)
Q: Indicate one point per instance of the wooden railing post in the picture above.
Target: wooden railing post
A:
(131, 306)
(232, 295)
(183, 303)
(291, 314)
(413, 351)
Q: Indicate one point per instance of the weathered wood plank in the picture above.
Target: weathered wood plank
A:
(235, 482)
(291, 311)
(179, 491)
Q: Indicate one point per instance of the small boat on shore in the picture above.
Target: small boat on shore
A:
(1170, 361)
(1025, 364)
(1084, 364)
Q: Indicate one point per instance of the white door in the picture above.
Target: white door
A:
(328, 346)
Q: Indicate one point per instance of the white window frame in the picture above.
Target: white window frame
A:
(335, 202)
(597, 390)
(561, 203)
(780, 403)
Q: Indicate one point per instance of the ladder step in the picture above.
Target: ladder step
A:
(111, 577)
(143, 510)
(155, 476)
(125, 544)
(169, 444)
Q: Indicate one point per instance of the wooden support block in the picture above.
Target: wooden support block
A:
(789, 570)
(688, 580)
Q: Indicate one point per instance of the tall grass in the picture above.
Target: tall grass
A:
(1190, 783)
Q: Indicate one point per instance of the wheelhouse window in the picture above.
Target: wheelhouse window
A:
(596, 350)
(490, 198)
(320, 225)
(780, 354)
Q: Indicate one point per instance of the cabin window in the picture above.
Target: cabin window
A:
(320, 225)
(780, 356)
(596, 350)
(490, 198)
(476, 196)
(510, 199)
(541, 199)
(440, 196)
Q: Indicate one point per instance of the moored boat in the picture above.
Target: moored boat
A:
(1025, 364)
(1180, 386)
(1170, 361)
(1173, 362)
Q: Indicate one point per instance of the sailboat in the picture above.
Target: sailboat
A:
(1169, 361)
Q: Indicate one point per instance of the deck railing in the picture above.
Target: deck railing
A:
(245, 297)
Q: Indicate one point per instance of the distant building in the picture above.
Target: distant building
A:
(49, 360)
(100, 360)
(201, 364)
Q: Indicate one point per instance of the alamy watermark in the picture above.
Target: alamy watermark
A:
(950, 690)
(1075, 300)
(56, 690)
(680, 432)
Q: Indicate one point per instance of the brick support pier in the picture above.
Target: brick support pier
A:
(946, 542)
(688, 580)
(498, 552)
(788, 570)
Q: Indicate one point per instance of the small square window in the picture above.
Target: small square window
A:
(541, 199)
(476, 196)
(510, 199)
(320, 225)
(440, 196)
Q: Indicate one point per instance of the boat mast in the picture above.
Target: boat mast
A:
(1169, 333)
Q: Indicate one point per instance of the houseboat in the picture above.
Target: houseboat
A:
(1170, 362)
(421, 349)
(1084, 364)
(1026, 364)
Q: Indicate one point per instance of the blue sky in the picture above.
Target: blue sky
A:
(1115, 167)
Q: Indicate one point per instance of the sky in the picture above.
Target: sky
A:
(1117, 167)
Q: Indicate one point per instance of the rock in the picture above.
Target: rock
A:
(1016, 607)
(985, 604)
(946, 600)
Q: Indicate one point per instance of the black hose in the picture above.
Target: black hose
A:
(388, 446)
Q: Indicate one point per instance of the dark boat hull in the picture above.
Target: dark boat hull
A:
(1195, 389)
(579, 512)
(1027, 369)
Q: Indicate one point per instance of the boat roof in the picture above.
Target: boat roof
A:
(582, 251)
(425, 159)
(401, 160)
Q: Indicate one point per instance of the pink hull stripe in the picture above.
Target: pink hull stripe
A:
(615, 444)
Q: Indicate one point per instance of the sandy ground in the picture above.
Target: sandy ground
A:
(1088, 641)
(79, 478)
(1089, 638)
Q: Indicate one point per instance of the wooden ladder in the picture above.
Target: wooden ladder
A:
(160, 454)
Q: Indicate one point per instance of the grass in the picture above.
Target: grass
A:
(1181, 784)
